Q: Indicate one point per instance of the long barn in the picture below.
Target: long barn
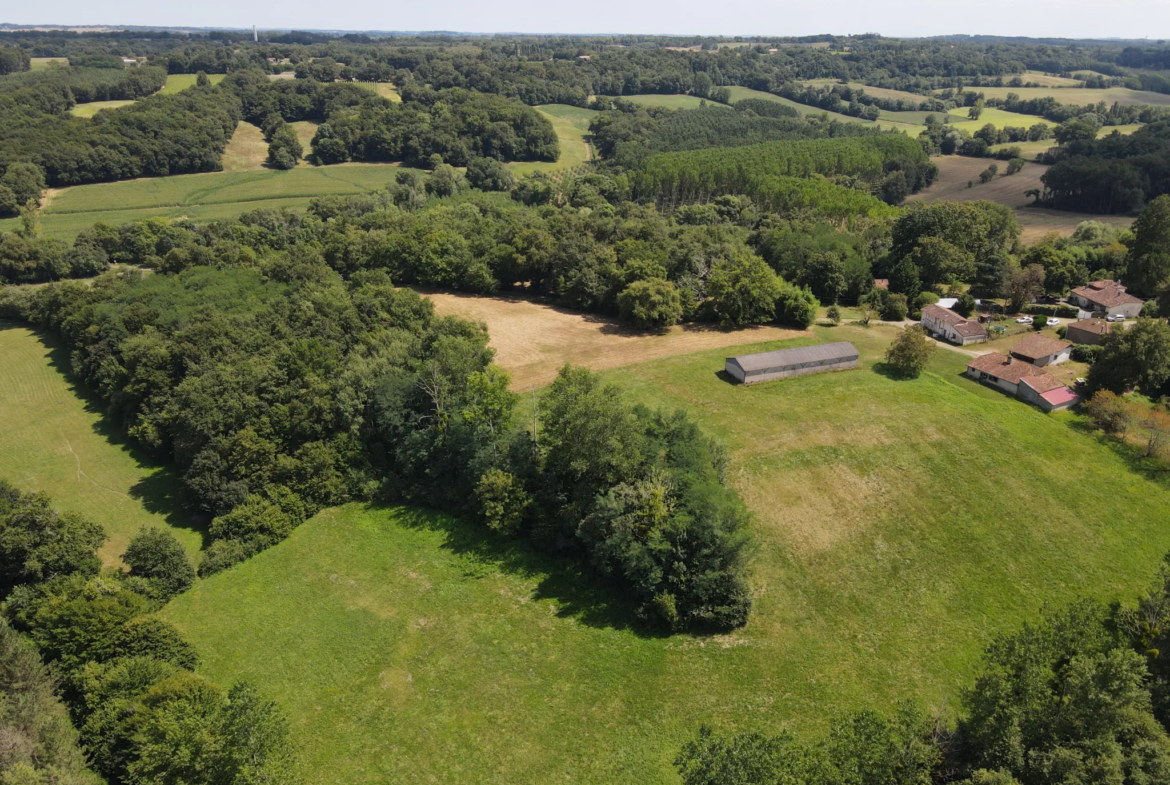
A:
(782, 363)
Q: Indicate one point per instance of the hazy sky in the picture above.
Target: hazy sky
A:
(1065, 18)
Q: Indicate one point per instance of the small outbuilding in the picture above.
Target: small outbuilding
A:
(1088, 331)
(1041, 350)
(783, 363)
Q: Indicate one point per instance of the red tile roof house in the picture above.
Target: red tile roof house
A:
(1023, 380)
(1090, 331)
(1041, 350)
(1107, 297)
(955, 328)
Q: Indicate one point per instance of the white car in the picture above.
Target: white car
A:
(1052, 322)
(1115, 318)
(1024, 320)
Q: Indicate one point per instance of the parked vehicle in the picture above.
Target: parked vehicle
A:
(1052, 322)
(1024, 320)
(1115, 318)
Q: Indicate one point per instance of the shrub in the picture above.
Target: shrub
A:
(227, 553)
(911, 351)
(796, 306)
(1085, 353)
(157, 556)
(502, 501)
(834, 314)
(894, 309)
(651, 303)
(965, 305)
(988, 174)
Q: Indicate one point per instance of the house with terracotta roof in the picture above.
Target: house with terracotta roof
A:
(1090, 331)
(881, 283)
(947, 324)
(1108, 297)
(1022, 380)
(1040, 350)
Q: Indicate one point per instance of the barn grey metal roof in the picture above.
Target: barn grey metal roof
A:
(842, 350)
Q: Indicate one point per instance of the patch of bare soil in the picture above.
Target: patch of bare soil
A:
(532, 341)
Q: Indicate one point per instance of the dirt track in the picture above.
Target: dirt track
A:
(533, 341)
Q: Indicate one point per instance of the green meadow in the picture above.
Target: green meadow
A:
(203, 197)
(571, 124)
(92, 108)
(900, 524)
(179, 82)
(54, 439)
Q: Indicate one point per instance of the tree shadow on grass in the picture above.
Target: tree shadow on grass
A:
(578, 593)
(160, 490)
(1133, 455)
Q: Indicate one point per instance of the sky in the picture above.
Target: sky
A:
(1036, 18)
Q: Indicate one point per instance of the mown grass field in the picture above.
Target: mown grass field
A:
(93, 107)
(1044, 80)
(900, 525)
(876, 92)
(54, 440)
(178, 82)
(571, 124)
(204, 197)
(997, 117)
(41, 63)
(1080, 96)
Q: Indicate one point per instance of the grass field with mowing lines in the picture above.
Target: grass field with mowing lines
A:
(901, 524)
(1044, 80)
(178, 82)
(92, 108)
(211, 196)
(876, 92)
(52, 440)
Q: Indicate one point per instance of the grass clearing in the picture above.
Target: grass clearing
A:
(955, 171)
(179, 82)
(93, 107)
(42, 63)
(671, 101)
(582, 339)
(997, 117)
(741, 93)
(901, 524)
(55, 441)
(571, 124)
(1080, 96)
(876, 92)
(384, 89)
(202, 197)
(1044, 80)
(247, 151)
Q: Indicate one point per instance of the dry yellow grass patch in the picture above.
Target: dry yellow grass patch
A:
(247, 150)
(533, 341)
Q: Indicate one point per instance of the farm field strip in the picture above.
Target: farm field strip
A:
(179, 82)
(51, 440)
(1080, 96)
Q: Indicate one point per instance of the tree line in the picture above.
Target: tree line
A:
(354, 389)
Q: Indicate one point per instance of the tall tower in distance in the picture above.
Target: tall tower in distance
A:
(254, 36)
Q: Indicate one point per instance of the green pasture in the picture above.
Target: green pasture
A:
(571, 124)
(54, 439)
(215, 195)
(997, 117)
(901, 523)
(92, 108)
(178, 82)
(876, 92)
(41, 63)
